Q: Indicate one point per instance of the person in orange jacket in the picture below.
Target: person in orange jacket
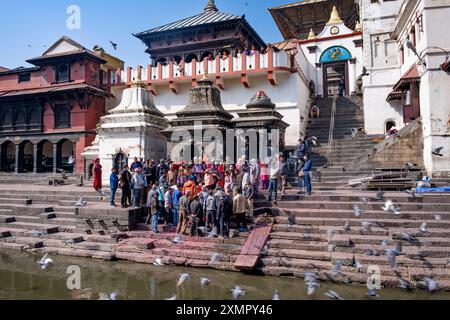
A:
(190, 185)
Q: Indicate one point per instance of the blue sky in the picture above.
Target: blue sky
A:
(37, 23)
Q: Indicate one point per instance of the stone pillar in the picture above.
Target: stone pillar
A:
(351, 77)
(16, 169)
(35, 158)
(55, 156)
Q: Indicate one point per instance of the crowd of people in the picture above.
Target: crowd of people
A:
(212, 198)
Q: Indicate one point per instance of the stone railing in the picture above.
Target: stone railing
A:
(259, 62)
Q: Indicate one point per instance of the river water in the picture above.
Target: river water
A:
(22, 278)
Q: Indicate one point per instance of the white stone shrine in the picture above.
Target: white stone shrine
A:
(132, 129)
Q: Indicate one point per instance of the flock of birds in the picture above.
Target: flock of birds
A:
(392, 207)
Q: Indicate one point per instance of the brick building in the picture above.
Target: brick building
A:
(49, 112)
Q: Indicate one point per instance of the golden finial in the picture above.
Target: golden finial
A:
(335, 18)
(311, 35)
(358, 27)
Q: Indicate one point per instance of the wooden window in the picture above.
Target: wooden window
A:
(62, 116)
(63, 73)
(24, 77)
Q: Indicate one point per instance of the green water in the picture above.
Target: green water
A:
(22, 278)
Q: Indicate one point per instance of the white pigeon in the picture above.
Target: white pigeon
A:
(424, 227)
(182, 278)
(276, 295)
(45, 262)
(215, 257)
(177, 239)
(389, 205)
(357, 211)
(333, 295)
(237, 292)
(172, 298)
(80, 203)
(158, 262)
(437, 217)
(204, 282)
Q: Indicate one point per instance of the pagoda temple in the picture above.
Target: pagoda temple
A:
(200, 36)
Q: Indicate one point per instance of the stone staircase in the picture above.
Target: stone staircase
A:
(304, 247)
(24, 213)
(318, 238)
(349, 114)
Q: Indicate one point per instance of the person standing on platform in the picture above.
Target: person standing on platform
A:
(113, 185)
(153, 212)
(239, 207)
(97, 175)
(249, 193)
(195, 215)
(125, 185)
(176, 195)
(274, 168)
(168, 205)
(210, 210)
(341, 87)
(138, 181)
(183, 212)
(307, 174)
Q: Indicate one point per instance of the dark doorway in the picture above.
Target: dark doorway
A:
(332, 74)
(120, 161)
(8, 161)
(65, 155)
(45, 156)
(26, 157)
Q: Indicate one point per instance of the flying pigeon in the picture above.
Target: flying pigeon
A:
(392, 255)
(204, 282)
(172, 298)
(237, 292)
(114, 45)
(357, 211)
(45, 262)
(333, 295)
(367, 226)
(437, 152)
(331, 248)
(158, 262)
(337, 268)
(379, 196)
(431, 284)
(424, 227)
(437, 217)
(182, 278)
(405, 285)
(215, 257)
(276, 295)
(390, 206)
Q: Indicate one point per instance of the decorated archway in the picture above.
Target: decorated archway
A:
(334, 61)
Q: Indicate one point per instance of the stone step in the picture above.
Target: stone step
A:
(387, 223)
(45, 228)
(311, 204)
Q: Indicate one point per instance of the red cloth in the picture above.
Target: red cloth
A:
(97, 173)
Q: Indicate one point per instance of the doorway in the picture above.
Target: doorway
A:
(332, 75)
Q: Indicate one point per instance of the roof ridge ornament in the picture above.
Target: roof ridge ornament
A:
(358, 27)
(311, 35)
(335, 18)
(210, 7)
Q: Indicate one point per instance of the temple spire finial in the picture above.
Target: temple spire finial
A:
(210, 7)
(335, 18)
(311, 35)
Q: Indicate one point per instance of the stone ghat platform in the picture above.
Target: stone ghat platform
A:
(45, 220)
